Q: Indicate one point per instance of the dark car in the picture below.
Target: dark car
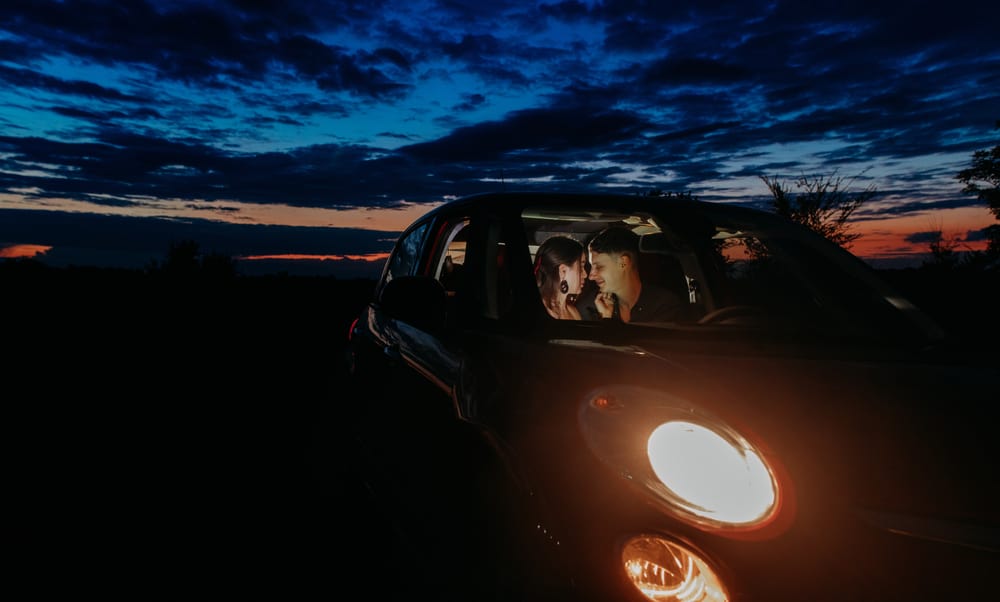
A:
(795, 430)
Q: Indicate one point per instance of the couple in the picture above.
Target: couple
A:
(561, 272)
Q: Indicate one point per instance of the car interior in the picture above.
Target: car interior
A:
(663, 259)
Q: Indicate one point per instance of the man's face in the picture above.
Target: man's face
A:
(606, 272)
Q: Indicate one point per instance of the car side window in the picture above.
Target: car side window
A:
(406, 254)
(449, 256)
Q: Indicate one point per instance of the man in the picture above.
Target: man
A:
(614, 268)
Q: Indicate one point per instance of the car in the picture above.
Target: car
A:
(797, 430)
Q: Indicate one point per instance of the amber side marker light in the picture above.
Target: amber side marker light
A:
(667, 571)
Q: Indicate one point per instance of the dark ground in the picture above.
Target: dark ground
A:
(182, 437)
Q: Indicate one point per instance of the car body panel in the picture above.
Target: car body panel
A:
(880, 437)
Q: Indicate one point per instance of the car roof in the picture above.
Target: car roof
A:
(569, 200)
(566, 198)
(607, 201)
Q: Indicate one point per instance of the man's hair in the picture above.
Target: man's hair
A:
(616, 240)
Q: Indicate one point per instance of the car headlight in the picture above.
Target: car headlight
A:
(664, 570)
(697, 467)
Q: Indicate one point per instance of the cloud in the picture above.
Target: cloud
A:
(27, 78)
(554, 130)
(343, 104)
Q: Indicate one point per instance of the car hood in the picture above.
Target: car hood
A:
(903, 441)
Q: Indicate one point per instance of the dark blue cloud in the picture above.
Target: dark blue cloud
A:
(551, 130)
(211, 44)
(344, 104)
(27, 78)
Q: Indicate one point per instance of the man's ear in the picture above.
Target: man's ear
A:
(625, 261)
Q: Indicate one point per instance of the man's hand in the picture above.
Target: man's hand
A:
(605, 304)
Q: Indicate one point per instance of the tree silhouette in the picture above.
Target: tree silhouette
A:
(217, 266)
(185, 260)
(943, 253)
(982, 178)
(824, 205)
(658, 192)
(182, 257)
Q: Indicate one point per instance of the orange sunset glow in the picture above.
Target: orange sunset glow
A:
(369, 258)
(21, 251)
(887, 239)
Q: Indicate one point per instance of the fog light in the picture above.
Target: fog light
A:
(666, 571)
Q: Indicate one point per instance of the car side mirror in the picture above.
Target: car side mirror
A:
(420, 301)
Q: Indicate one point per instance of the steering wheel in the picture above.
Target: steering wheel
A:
(730, 311)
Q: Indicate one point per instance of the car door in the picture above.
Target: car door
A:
(411, 438)
(430, 344)
(374, 336)
(411, 351)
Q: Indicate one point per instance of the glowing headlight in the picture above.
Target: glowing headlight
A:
(666, 571)
(696, 466)
(713, 476)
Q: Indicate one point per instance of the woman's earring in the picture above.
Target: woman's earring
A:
(564, 287)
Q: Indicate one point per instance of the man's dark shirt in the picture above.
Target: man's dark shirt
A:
(655, 304)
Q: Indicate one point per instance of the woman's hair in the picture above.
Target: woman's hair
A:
(555, 251)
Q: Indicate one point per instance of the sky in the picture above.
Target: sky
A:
(303, 136)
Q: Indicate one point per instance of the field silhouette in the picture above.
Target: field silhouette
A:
(190, 430)
(178, 430)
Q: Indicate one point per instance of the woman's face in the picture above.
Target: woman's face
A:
(576, 275)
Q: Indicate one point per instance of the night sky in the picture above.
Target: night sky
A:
(302, 136)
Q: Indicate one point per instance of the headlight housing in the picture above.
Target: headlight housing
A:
(666, 570)
(696, 466)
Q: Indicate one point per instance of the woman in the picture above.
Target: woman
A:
(560, 273)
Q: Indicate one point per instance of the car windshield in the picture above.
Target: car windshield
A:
(713, 268)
